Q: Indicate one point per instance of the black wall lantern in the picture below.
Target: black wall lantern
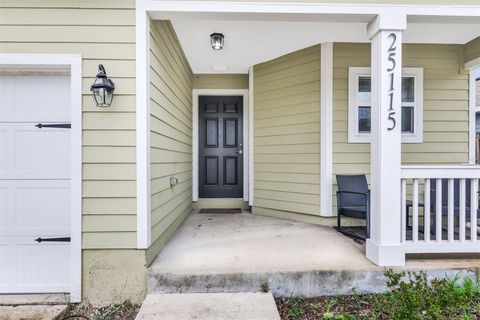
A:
(102, 89)
(217, 40)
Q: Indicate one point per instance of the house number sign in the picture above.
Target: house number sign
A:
(392, 51)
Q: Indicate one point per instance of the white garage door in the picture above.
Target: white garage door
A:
(34, 183)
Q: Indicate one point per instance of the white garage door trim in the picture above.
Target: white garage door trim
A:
(73, 64)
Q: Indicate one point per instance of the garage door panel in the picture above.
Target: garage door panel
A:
(36, 208)
(33, 153)
(39, 98)
(42, 264)
(38, 267)
(43, 153)
(42, 209)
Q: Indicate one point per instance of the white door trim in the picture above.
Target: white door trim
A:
(73, 63)
(247, 160)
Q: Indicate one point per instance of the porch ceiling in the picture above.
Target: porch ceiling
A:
(250, 40)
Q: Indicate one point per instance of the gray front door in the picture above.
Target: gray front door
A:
(220, 146)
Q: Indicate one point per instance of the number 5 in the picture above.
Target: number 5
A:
(391, 118)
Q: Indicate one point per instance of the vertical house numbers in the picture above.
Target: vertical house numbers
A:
(392, 50)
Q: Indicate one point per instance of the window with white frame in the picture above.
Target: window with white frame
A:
(359, 105)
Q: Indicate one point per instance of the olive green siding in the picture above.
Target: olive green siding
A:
(287, 133)
(472, 49)
(102, 32)
(286, 123)
(445, 127)
(220, 81)
(171, 81)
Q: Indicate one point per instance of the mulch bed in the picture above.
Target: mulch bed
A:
(360, 307)
(338, 307)
(124, 311)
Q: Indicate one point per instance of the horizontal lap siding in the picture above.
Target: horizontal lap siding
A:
(170, 134)
(287, 133)
(445, 136)
(220, 81)
(102, 32)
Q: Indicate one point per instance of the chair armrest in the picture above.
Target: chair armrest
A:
(355, 192)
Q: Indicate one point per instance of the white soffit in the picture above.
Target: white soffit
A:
(249, 42)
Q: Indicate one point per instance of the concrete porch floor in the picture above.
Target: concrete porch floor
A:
(239, 252)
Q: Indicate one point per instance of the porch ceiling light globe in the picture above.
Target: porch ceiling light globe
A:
(102, 89)
(217, 40)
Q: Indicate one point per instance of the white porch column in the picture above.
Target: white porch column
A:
(384, 247)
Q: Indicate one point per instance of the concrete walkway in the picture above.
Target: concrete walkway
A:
(209, 306)
(33, 312)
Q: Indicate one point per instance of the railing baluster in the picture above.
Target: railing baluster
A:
(403, 203)
(426, 211)
(461, 213)
(438, 213)
(415, 211)
(450, 208)
(473, 209)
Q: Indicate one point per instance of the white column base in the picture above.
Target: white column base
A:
(385, 255)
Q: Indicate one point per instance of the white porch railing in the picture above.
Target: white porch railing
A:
(446, 223)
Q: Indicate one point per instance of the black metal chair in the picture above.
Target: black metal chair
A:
(353, 201)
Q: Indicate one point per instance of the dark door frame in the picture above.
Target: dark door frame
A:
(247, 137)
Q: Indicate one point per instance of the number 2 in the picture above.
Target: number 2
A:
(394, 39)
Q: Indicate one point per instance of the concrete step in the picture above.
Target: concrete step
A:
(209, 306)
(286, 284)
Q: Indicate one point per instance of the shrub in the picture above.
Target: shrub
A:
(412, 296)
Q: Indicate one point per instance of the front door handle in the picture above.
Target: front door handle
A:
(239, 151)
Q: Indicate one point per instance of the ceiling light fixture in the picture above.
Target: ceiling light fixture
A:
(217, 40)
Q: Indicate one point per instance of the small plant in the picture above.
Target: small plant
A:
(264, 287)
(330, 305)
(297, 307)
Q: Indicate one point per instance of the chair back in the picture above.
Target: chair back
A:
(354, 183)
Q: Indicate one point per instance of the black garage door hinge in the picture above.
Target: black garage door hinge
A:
(54, 125)
(64, 239)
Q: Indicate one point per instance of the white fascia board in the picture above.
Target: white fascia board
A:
(307, 8)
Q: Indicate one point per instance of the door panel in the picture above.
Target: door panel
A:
(34, 184)
(220, 147)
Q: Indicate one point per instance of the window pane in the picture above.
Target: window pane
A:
(408, 89)
(407, 119)
(364, 88)
(364, 119)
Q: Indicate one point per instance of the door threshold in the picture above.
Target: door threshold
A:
(220, 203)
